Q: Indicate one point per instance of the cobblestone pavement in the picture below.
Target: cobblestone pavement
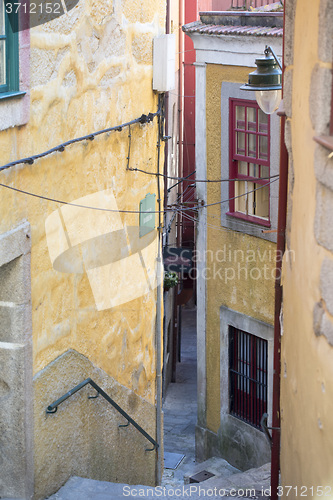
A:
(180, 404)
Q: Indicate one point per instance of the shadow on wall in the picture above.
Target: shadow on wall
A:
(119, 261)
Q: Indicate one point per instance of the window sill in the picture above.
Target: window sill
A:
(250, 219)
(11, 95)
(325, 140)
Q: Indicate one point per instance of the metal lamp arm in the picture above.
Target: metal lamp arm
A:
(268, 49)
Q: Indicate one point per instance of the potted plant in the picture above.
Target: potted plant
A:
(170, 280)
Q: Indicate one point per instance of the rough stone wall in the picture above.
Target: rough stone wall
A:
(83, 437)
(16, 392)
(89, 69)
(307, 354)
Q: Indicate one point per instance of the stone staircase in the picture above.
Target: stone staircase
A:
(226, 482)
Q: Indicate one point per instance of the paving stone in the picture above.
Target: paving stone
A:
(217, 466)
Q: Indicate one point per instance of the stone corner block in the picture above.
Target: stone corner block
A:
(323, 166)
(290, 11)
(288, 91)
(326, 31)
(15, 243)
(326, 280)
(320, 110)
(323, 228)
(322, 323)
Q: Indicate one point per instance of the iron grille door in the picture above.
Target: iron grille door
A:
(247, 376)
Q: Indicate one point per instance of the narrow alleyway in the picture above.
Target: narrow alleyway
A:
(180, 406)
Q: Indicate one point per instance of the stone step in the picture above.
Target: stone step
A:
(258, 479)
(78, 488)
(228, 482)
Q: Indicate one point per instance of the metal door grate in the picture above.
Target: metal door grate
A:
(247, 376)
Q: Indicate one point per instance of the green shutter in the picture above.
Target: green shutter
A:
(3, 47)
(12, 52)
(9, 56)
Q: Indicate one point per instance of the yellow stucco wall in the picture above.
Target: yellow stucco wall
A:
(237, 256)
(306, 360)
(90, 69)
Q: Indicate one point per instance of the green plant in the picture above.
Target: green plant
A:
(170, 279)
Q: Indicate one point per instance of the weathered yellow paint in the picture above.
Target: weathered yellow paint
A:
(236, 256)
(90, 69)
(306, 360)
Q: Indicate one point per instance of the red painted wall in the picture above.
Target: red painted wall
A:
(192, 9)
(221, 4)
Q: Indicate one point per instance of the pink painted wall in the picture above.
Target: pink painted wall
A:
(221, 4)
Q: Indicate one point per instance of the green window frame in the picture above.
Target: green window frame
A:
(9, 51)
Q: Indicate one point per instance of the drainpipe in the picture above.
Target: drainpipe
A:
(167, 124)
(181, 84)
(281, 242)
(159, 302)
(283, 188)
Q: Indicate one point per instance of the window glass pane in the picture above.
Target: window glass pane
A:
(240, 143)
(242, 167)
(263, 147)
(2, 18)
(2, 62)
(254, 170)
(263, 122)
(250, 205)
(261, 201)
(251, 119)
(240, 117)
(252, 145)
(240, 190)
(264, 172)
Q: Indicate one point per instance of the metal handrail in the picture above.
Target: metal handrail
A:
(52, 408)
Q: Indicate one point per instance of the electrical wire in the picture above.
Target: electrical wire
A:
(181, 179)
(240, 195)
(78, 205)
(90, 137)
(240, 224)
(219, 228)
(168, 208)
(177, 183)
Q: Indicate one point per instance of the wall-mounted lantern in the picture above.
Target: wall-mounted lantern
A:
(266, 81)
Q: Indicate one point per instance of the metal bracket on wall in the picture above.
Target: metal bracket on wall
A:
(124, 425)
(263, 423)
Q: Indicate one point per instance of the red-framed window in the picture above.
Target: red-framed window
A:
(249, 134)
(247, 376)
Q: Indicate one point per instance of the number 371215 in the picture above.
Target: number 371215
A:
(304, 491)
